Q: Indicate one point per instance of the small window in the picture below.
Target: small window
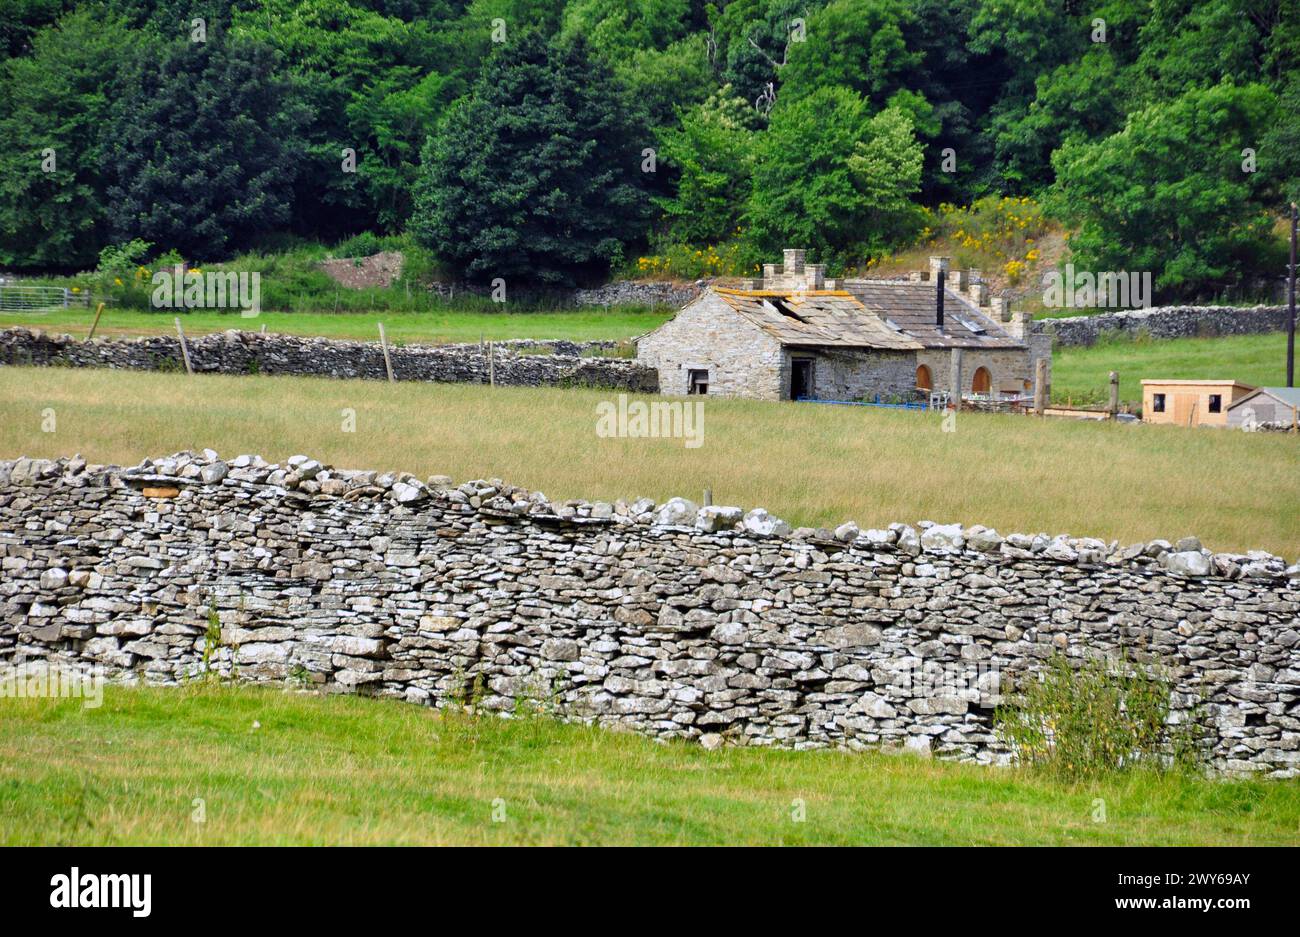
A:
(1216, 403)
(1158, 403)
(697, 381)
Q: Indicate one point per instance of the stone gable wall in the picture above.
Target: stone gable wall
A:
(742, 359)
(235, 352)
(707, 624)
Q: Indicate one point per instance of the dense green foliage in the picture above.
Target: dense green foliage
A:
(766, 118)
(537, 172)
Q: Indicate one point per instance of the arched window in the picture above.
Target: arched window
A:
(982, 383)
(923, 379)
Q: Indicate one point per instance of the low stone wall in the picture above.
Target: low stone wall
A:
(1169, 322)
(615, 293)
(709, 624)
(235, 352)
(640, 292)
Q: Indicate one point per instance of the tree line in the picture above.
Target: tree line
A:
(550, 140)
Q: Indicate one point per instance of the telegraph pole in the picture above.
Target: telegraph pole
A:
(1290, 303)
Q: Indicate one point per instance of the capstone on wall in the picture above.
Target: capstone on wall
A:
(710, 624)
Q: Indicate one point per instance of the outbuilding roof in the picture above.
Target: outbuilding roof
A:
(1289, 396)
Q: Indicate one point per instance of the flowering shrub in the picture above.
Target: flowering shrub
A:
(683, 262)
(992, 233)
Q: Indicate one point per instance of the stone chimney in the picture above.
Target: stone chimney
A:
(1021, 325)
(793, 274)
(1000, 309)
(937, 264)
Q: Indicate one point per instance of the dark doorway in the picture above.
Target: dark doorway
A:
(801, 379)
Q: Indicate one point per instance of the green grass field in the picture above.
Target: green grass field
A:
(1083, 373)
(1079, 374)
(447, 325)
(268, 766)
(812, 464)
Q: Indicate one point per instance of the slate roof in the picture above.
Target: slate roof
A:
(1289, 396)
(911, 306)
(816, 318)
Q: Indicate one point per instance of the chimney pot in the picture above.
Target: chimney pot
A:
(939, 277)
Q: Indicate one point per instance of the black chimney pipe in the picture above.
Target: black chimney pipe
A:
(939, 279)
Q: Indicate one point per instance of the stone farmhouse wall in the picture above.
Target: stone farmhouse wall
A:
(235, 352)
(858, 374)
(709, 624)
(742, 359)
(1169, 322)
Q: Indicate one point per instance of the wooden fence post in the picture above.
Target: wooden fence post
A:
(954, 379)
(1040, 386)
(388, 362)
(185, 349)
(94, 325)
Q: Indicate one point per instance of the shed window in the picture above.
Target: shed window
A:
(1158, 403)
(1216, 403)
(697, 381)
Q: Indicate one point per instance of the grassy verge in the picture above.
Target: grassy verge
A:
(812, 464)
(1082, 373)
(435, 327)
(267, 766)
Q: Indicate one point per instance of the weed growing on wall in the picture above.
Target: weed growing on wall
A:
(1096, 717)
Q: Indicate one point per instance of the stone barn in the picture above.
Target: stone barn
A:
(795, 335)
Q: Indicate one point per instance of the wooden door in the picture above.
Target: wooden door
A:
(1184, 409)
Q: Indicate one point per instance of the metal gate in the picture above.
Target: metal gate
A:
(39, 298)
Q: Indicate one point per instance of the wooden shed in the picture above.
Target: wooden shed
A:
(1190, 403)
(1266, 405)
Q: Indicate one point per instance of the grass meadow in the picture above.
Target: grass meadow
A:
(1079, 374)
(466, 322)
(215, 765)
(813, 464)
(1083, 373)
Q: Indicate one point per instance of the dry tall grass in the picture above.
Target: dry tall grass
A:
(810, 463)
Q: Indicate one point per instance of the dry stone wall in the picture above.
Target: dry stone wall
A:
(703, 623)
(235, 352)
(1169, 322)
